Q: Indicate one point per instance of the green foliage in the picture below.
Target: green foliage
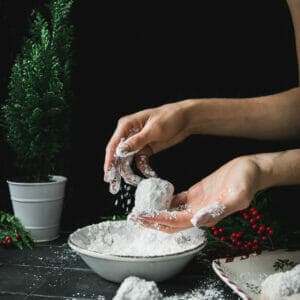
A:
(283, 264)
(114, 217)
(36, 114)
(10, 226)
(283, 238)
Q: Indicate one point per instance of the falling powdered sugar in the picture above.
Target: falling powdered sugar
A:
(127, 238)
(205, 214)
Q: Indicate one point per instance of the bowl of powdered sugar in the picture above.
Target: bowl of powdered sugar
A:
(118, 249)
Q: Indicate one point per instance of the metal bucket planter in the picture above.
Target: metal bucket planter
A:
(38, 206)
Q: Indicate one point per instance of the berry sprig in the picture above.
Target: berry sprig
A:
(245, 242)
(12, 233)
(242, 234)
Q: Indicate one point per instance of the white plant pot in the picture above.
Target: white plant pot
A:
(38, 206)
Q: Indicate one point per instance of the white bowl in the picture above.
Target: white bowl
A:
(116, 267)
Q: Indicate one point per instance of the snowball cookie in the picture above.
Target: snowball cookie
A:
(152, 195)
(282, 286)
(134, 288)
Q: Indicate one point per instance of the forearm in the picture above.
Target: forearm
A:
(268, 117)
(276, 169)
(294, 6)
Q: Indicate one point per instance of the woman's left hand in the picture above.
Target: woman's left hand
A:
(233, 186)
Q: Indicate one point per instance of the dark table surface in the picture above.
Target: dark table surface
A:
(52, 271)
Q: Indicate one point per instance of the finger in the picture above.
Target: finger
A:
(209, 214)
(161, 227)
(110, 174)
(179, 200)
(173, 219)
(137, 142)
(120, 132)
(127, 173)
(229, 210)
(121, 150)
(115, 182)
(142, 163)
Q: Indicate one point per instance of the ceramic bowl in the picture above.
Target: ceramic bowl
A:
(116, 268)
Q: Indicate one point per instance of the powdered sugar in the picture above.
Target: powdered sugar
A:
(153, 195)
(205, 214)
(126, 238)
(145, 167)
(121, 167)
(134, 288)
(121, 152)
(210, 293)
(280, 285)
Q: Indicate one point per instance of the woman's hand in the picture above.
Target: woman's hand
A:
(149, 131)
(233, 185)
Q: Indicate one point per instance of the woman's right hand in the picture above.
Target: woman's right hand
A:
(154, 129)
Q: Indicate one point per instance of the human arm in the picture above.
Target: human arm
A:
(267, 117)
(294, 6)
(233, 186)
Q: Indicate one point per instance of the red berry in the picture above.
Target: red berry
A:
(254, 226)
(262, 227)
(252, 220)
(259, 232)
(8, 240)
(18, 236)
(223, 238)
(221, 230)
(239, 234)
(216, 232)
(239, 243)
(233, 235)
(258, 217)
(254, 213)
(270, 232)
(213, 228)
(264, 238)
(255, 242)
(254, 247)
(268, 228)
(245, 216)
(252, 209)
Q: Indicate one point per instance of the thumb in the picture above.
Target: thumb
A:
(136, 142)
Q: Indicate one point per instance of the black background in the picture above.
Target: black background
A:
(130, 56)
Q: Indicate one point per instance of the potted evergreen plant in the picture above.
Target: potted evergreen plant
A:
(36, 120)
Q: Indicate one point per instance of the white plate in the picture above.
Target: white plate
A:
(245, 275)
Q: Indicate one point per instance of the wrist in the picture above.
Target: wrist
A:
(265, 165)
(195, 114)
